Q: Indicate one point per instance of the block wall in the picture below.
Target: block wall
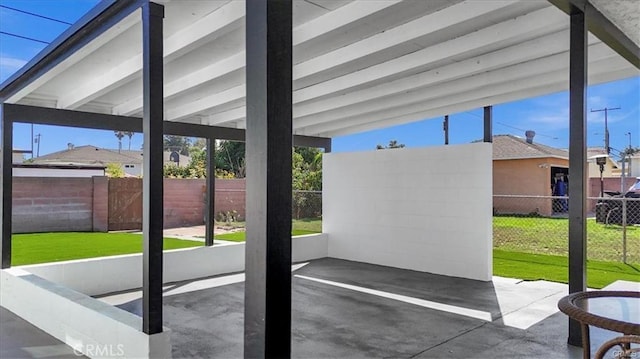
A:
(49, 204)
(425, 209)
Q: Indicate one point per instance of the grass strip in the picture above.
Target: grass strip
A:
(529, 266)
(33, 248)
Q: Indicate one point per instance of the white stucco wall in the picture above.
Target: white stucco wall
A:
(89, 326)
(97, 276)
(425, 209)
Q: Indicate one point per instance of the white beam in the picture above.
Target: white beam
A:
(545, 21)
(208, 103)
(236, 114)
(477, 82)
(523, 52)
(342, 17)
(553, 44)
(348, 15)
(407, 33)
(474, 104)
(212, 26)
(77, 56)
(491, 95)
(102, 84)
(223, 20)
(199, 77)
(538, 23)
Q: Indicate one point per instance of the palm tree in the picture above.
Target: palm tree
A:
(119, 134)
(392, 144)
(130, 134)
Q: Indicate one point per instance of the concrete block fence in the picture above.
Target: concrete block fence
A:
(56, 204)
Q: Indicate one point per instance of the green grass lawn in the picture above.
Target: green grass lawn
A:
(550, 236)
(311, 225)
(513, 236)
(53, 247)
(240, 235)
(554, 268)
(299, 227)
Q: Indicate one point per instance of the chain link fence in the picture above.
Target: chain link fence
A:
(540, 224)
(307, 205)
(306, 209)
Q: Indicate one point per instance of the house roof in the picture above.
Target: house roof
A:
(594, 151)
(89, 155)
(358, 65)
(60, 166)
(82, 155)
(510, 147)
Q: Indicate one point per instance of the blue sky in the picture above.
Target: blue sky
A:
(547, 115)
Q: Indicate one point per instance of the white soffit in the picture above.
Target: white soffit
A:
(358, 64)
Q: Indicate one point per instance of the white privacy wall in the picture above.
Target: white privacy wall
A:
(425, 209)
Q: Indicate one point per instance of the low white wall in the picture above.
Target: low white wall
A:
(89, 326)
(426, 209)
(111, 274)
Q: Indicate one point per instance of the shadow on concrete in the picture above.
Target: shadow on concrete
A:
(344, 309)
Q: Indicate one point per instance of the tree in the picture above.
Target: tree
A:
(630, 151)
(114, 170)
(306, 169)
(392, 144)
(306, 173)
(119, 135)
(177, 143)
(197, 167)
(199, 143)
(130, 134)
(230, 156)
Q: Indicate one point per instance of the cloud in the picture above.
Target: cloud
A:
(9, 65)
(549, 117)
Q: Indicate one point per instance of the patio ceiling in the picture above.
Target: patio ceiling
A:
(358, 64)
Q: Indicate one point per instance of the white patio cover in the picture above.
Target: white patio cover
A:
(358, 64)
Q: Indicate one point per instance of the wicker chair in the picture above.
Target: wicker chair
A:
(625, 351)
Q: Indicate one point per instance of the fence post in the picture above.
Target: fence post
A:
(624, 230)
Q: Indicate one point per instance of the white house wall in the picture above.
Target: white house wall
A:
(635, 166)
(425, 209)
(56, 172)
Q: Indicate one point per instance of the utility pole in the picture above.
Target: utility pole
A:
(445, 127)
(606, 126)
(629, 152)
(37, 140)
(31, 140)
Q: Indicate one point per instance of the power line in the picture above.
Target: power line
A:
(520, 129)
(473, 114)
(36, 15)
(505, 125)
(24, 37)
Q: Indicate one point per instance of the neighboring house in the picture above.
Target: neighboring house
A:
(52, 170)
(522, 167)
(168, 157)
(91, 155)
(635, 165)
(17, 156)
(131, 161)
(611, 167)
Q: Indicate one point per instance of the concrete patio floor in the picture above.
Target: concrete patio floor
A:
(20, 339)
(345, 309)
